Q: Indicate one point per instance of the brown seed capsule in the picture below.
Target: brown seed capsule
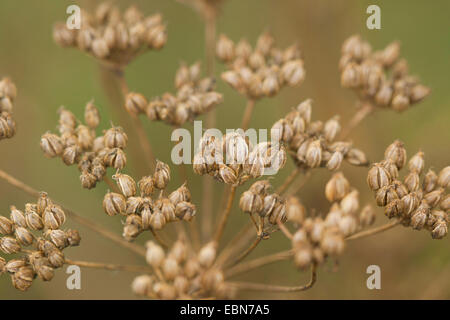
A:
(356, 157)
(155, 254)
(430, 181)
(381, 196)
(314, 154)
(17, 217)
(293, 72)
(126, 184)
(185, 211)
(367, 216)
(157, 220)
(397, 153)
(71, 155)
(410, 203)
(51, 145)
(418, 220)
(434, 197)
(88, 180)
(412, 181)
(337, 187)
(142, 285)
(146, 186)
(207, 254)
(115, 137)
(417, 163)
(133, 227)
(42, 203)
(303, 258)
(278, 213)
(67, 120)
(350, 203)
(135, 103)
(440, 230)
(168, 210)
(6, 226)
(394, 208)
(331, 129)
(23, 278)
(23, 236)
(378, 177)
(390, 167)
(53, 217)
(73, 237)
(85, 137)
(58, 238)
(9, 245)
(351, 76)
(227, 174)
(13, 265)
(56, 258)
(444, 177)
(115, 158)
(445, 203)
(44, 272)
(250, 202)
(335, 161)
(225, 48)
(170, 268)
(161, 176)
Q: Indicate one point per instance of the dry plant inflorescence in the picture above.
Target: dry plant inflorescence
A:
(196, 265)
(194, 97)
(8, 93)
(36, 234)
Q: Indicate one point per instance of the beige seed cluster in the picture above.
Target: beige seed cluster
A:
(79, 144)
(113, 37)
(232, 159)
(379, 78)
(265, 208)
(8, 93)
(317, 238)
(418, 205)
(195, 96)
(261, 71)
(182, 273)
(142, 211)
(314, 144)
(39, 229)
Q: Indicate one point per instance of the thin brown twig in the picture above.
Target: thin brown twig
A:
(359, 116)
(294, 173)
(285, 230)
(248, 114)
(231, 246)
(76, 217)
(247, 251)
(109, 266)
(256, 263)
(225, 215)
(268, 287)
(373, 231)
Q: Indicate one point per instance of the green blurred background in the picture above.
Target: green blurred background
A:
(412, 265)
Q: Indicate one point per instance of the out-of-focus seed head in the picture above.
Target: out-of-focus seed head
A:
(155, 254)
(314, 154)
(350, 203)
(367, 216)
(337, 187)
(88, 180)
(73, 237)
(142, 285)
(444, 177)
(6, 226)
(135, 103)
(207, 254)
(225, 48)
(356, 157)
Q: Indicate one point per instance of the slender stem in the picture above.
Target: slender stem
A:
(256, 263)
(140, 131)
(111, 184)
(159, 239)
(231, 246)
(375, 230)
(109, 266)
(225, 215)
(207, 182)
(268, 287)
(76, 217)
(248, 114)
(359, 116)
(285, 230)
(247, 251)
(288, 180)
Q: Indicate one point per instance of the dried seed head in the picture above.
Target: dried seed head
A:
(440, 230)
(337, 187)
(126, 184)
(394, 208)
(114, 203)
(157, 220)
(133, 227)
(71, 155)
(434, 197)
(417, 163)
(430, 181)
(6, 226)
(412, 181)
(155, 254)
(445, 203)
(73, 237)
(293, 72)
(356, 157)
(135, 103)
(397, 153)
(58, 237)
(9, 245)
(350, 203)
(185, 211)
(444, 177)
(142, 285)
(115, 137)
(225, 48)
(17, 217)
(250, 202)
(303, 258)
(23, 236)
(331, 129)
(53, 217)
(335, 161)
(410, 203)
(170, 268)
(88, 180)
(314, 154)
(2, 265)
(51, 145)
(227, 174)
(56, 258)
(161, 176)
(23, 278)
(207, 254)
(115, 158)
(378, 177)
(367, 216)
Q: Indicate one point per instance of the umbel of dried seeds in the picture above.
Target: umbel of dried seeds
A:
(232, 159)
(194, 97)
(36, 234)
(320, 237)
(79, 144)
(417, 205)
(143, 211)
(8, 93)
(261, 71)
(113, 37)
(314, 143)
(184, 273)
(379, 78)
